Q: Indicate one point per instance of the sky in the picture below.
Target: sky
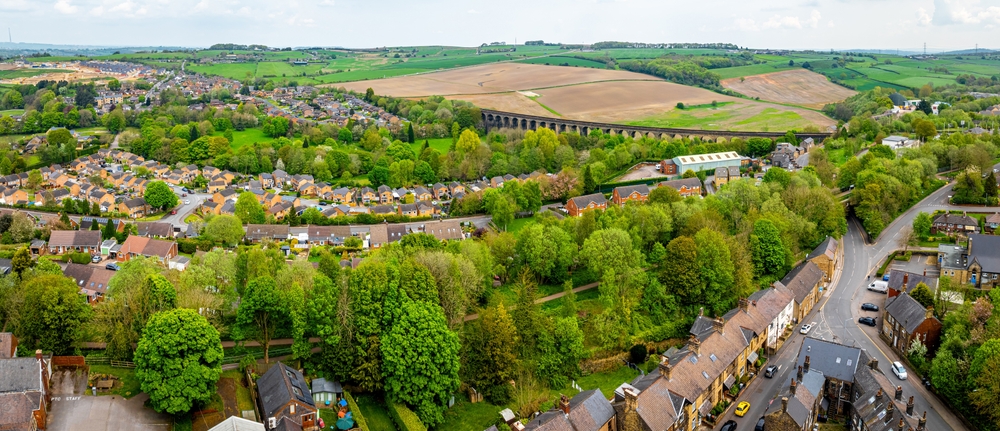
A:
(780, 24)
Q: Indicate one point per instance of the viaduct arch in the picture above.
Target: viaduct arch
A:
(511, 120)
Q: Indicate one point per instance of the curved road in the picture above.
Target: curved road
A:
(836, 316)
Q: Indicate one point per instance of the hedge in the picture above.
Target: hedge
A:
(359, 419)
(82, 258)
(404, 418)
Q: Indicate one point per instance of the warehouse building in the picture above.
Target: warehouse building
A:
(707, 162)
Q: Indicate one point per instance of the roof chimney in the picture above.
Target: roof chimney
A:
(694, 345)
(631, 399)
(806, 369)
(922, 423)
(799, 373)
(564, 403)
(889, 408)
(909, 407)
(906, 279)
(744, 304)
(792, 387)
(899, 393)
(878, 395)
(929, 312)
(873, 364)
(701, 311)
(901, 424)
(38, 354)
(665, 368)
(719, 325)
(784, 404)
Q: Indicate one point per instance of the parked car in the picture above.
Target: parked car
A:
(742, 408)
(870, 321)
(96, 258)
(770, 370)
(868, 306)
(898, 370)
(760, 424)
(112, 266)
(728, 426)
(187, 201)
(805, 328)
(184, 195)
(173, 212)
(879, 286)
(885, 277)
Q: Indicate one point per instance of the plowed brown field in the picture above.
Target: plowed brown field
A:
(797, 87)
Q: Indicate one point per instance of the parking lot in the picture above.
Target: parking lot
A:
(917, 265)
(71, 410)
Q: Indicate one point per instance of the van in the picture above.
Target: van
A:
(879, 286)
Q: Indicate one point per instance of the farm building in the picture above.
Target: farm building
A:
(707, 162)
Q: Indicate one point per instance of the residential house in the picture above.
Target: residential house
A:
(154, 229)
(905, 320)
(440, 191)
(456, 188)
(24, 392)
(283, 395)
(426, 209)
(779, 302)
(685, 187)
(383, 210)
(395, 232)
(580, 204)
(236, 423)
(210, 207)
(179, 263)
(92, 280)
(587, 411)
(368, 195)
(342, 195)
(422, 194)
(15, 196)
(825, 257)
(804, 281)
(134, 208)
(379, 235)
(636, 193)
(977, 264)
(992, 223)
(259, 232)
(800, 402)
(721, 177)
(950, 223)
(409, 210)
(280, 210)
(668, 167)
(445, 229)
(215, 186)
(222, 196)
(385, 194)
(87, 241)
(148, 247)
(266, 180)
(903, 281)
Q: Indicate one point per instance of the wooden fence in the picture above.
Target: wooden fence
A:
(101, 360)
(69, 361)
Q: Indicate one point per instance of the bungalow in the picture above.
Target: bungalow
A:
(148, 247)
(87, 241)
(134, 208)
(445, 230)
(383, 210)
(580, 204)
(950, 223)
(154, 229)
(636, 193)
(92, 280)
(259, 232)
(284, 396)
(686, 187)
(86, 222)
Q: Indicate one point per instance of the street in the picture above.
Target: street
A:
(835, 319)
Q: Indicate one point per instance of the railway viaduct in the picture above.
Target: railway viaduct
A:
(510, 120)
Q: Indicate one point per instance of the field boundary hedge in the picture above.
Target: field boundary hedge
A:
(404, 418)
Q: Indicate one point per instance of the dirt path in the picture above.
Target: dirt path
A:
(227, 390)
(542, 300)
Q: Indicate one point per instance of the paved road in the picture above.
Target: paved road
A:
(184, 209)
(836, 318)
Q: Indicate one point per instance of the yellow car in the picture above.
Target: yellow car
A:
(742, 408)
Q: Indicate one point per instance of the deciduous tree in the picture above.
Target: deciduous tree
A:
(490, 359)
(767, 249)
(248, 209)
(159, 195)
(53, 314)
(262, 313)
(680, 273)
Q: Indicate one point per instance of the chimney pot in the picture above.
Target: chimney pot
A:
(901, 424)
(878, 395)
(564, 403)
(922, 423)
(909, 407)
(719, 325)
(799, 373)
(694, 344)
(874, 364)
(806, 369)
(899, 393)
(929, 313)
(665, 368)
(906, 280)
(38, 354)
(784, 404)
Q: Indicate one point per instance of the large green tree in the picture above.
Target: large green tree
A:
(490, 358)
(767, 248)
(159, 195)
(248, 209)
(421, 362)
(679, 272)
(53, 314)
(226, 229)
(135, 293)
(178, 361)
(262, 313)
(986, 381)
(716, 269)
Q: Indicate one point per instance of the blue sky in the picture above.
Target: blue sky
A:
(794, 24)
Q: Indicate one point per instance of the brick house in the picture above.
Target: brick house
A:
(134, 208)
(950, 223)
(148, 247)
(284, 396)
(24, 392)
(636, 193)
(904, 320)
(87, 241)
(804, 282)
(580, 204)
(668, 167)
(686, 187)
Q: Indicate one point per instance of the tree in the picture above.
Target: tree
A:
(114, 85)
(778, 175)
(114, 121)
(55, 313)
(262, 313)
(136, 292)
(922, 223)
(159, 195)
(561, 350)
(21, 261)
(490, 359)
(679, 272)
(990, 186)
(665, 195)
(716, 270)
(922, 293)
(589, 185)
(925, 129)
(985, 380)
(421, 363)
(178, 360)
(467, 141)
(946, 376)
(500, 207)
(35, 179)
(907, 238)
(410, 137)
(22, 227)
(689, 174)
(767, 249)
(226, 229)
(248, 209)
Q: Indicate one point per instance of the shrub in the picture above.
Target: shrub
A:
(637, 354)
(359, 419)
(81, 258)
(404, 418)
(188, 246)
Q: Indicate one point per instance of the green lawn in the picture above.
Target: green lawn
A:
(27, 73)
(837, 157)
(247, 137)
(373, 409)
(686, 119)
(519, 223)
(12, 112)
(440, 144)
(753, 69)
(466, 416)
(130, 384)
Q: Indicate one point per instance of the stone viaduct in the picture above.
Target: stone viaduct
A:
(510, 120)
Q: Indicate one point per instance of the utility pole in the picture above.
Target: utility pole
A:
(925, 49)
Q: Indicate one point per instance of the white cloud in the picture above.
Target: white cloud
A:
(97, 11)
(923, 18)
(125, 7)
(64, 6)
(474, 12)
(778, 21)
(746, 24)
(813, 20)
(830, 24)
(14, 5)
(947, 12)
(328, 3)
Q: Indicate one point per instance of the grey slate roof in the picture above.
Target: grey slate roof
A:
(320, 385)
(583, 201)
(802, 279)
(588, 411)
(282, 384)
(20, 375)
(831, 359)
(985, 249)
(625, 191)
(907, 311)
(896, 280)
(827, 247)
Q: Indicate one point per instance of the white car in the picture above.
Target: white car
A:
(898, 370)
(805, 328)
(187, 202)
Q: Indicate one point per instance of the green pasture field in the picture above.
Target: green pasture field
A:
(12, 112)
(247, 137)
(227, 70)
(27, 73)
(440, 144)
(283, 69)
(358, 75)
(557, 60)
(726, 118)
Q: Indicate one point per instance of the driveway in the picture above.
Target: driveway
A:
(105, 413)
